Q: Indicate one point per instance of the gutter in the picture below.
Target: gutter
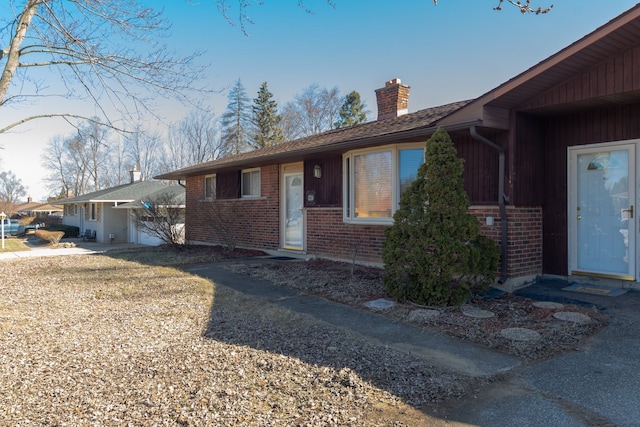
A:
(502, 199)
(283, 157)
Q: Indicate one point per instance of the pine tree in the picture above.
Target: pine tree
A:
(266, 120)
(236, 122)
(352, 111)
(433, 253)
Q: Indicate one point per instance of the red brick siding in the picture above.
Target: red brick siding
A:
(328, 235)
(524, 236)
(255, 222)
(256, 225)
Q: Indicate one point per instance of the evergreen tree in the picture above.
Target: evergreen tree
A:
(266, 120)
(433, 253)
(352, 111)
(236, 122)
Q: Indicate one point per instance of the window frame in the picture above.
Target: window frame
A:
(348, 182)
(251, 183)
(206, 187)
(93, 211)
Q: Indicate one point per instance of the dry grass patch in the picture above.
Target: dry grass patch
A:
(101, 340)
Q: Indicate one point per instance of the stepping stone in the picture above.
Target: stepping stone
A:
(422, 316)
(548, 304)
(380, 304)
(520, 334)
(571, 316)
(471, 311)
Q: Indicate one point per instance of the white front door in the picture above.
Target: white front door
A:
(292, 218)
(602, 230)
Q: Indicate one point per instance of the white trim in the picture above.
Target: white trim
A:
(250, 196)
(572, 200)
(206, 197)
(291, 169)
(348, 185)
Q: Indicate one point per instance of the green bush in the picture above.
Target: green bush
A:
(433, 253)
(69, 230)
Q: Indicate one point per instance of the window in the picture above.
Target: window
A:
(374, 179)
(93, 212)
(251, 183)
(210, 187)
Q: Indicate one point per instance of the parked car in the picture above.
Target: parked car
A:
(12, 227)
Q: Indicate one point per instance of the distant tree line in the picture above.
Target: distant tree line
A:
(95, 157)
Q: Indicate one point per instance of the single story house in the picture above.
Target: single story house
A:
(168, 197)
(550, 170)
(99, 211)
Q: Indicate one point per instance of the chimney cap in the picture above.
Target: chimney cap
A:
(395, 81)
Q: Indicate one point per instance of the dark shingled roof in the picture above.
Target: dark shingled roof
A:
(333, 140)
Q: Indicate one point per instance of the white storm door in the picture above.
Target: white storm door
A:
(292, 215)
(601, 211)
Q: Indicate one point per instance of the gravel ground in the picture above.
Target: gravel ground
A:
(93, 340)
(355, 285)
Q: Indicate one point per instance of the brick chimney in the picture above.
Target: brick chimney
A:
(393, 99)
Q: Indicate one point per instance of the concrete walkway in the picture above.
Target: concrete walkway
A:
(595, 386)
(449, 353)
(82, 248)
(598, 385)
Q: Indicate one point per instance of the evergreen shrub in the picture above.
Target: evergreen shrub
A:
(434, 253)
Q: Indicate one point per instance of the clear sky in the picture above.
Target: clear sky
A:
(456, 50)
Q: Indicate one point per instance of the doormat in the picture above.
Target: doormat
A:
(595, 290)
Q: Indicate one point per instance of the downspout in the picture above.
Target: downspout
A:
(181, 184)
(502, 199)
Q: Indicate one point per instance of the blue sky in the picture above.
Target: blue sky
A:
(456, 50)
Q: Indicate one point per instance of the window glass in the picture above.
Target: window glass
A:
(410, 161)
(372, 184)
(210, 187)
(251, 183)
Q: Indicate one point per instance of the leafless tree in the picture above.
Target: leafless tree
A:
(312, 112)
(105, 51)
(162, 215)
(143, 150)
(11, 189)
(79, 162)
(195, 139)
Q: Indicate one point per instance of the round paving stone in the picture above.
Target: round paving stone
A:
(548, 304)
(471, 311)
(422, 316)
(571, 316)
(520, 334)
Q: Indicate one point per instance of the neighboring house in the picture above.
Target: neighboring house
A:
(43, 212)
(550, 170)
(173, 194)
(97, 211)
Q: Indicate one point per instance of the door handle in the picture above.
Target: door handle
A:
(630, 210)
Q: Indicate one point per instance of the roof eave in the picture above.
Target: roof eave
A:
(338, 146)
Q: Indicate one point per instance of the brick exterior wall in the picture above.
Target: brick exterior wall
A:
(524, 236)
(329, 236)
(255, 224)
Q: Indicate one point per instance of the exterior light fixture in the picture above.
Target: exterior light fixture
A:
(317, 171)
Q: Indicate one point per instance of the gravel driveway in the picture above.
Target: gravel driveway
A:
(94, 340)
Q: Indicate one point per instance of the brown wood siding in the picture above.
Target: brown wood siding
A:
(228, 185)
(613, 79)
(327, 189)
(480, 168)
(560, 132)
(527, 183)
